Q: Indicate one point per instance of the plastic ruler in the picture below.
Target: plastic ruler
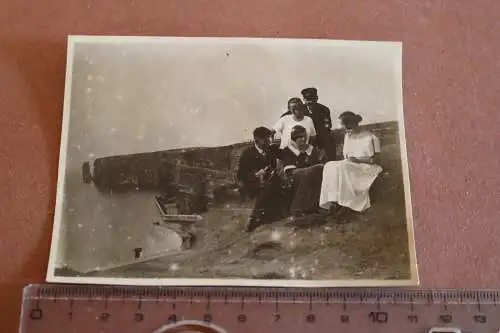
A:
(93, 309)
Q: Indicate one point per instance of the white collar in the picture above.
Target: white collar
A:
(259, 150)
(297, 152)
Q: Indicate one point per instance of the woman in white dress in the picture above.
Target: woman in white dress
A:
(297, 117)
(346, 183)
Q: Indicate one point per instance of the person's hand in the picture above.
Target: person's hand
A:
(322, 154)
(288, 180)
(260, 173)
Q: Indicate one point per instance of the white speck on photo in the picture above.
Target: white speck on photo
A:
(275, 235)
(322, 239)
(292, 271)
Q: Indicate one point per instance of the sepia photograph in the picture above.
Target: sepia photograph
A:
(233, 161)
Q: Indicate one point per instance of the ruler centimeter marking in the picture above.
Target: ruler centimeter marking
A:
(267, 295)
(291, 310)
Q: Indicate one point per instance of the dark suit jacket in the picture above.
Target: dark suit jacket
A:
(321, 117)
(252, 161)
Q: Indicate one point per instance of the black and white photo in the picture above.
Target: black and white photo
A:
(233, 161)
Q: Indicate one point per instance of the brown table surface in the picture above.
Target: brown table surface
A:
(451, 82)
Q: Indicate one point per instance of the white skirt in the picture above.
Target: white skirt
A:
(348, 184)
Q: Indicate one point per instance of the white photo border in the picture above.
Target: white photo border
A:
(55, 249)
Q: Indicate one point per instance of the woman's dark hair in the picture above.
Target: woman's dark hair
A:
(350, 118)
(298, 132)
(295, 100)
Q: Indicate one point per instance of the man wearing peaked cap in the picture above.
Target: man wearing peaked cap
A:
(309, 93)
(322, 120)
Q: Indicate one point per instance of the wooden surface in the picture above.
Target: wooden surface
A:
(451, 82)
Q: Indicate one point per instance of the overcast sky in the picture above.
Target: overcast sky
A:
(162, 93)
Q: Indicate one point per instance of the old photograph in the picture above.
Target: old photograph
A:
(233, 161)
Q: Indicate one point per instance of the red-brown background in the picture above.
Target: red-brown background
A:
(451, 84)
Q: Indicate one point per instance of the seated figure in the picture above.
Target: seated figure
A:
(257, 178)
(346, 183)
(303, 173)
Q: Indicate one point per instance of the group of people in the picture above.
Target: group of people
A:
(302, 174)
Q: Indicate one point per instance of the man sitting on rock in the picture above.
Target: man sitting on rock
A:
(257, 177)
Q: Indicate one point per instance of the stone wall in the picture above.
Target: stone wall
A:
(158, 171)
(164, 170)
